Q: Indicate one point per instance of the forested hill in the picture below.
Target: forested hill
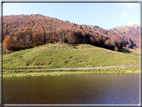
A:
(130, 32)
(31, 30)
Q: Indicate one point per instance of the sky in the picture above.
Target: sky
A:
(104, 15)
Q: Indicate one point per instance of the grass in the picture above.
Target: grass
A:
(65, 55)
(15, 73)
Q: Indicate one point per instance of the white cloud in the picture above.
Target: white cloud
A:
(131, 23)
(123, 15)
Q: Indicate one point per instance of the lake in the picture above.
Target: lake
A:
(72, 89)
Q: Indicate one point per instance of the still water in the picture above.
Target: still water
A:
(72, 89)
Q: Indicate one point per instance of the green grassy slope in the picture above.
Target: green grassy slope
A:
(64, 55)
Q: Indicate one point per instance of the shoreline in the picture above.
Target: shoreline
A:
(45, 73)
(72, 68)
(55, 71)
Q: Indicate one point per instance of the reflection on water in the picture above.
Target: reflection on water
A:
(72, 89)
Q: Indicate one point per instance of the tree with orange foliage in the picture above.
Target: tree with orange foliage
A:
(6, 44)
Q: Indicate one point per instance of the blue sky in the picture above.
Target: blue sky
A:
(105, 15)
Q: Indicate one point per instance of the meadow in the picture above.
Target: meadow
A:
(65, 56)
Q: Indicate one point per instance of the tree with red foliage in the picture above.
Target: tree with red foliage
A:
(6, 43)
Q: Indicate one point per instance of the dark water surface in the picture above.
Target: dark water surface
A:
(72, 89)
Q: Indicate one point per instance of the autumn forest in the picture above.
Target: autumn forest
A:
(25, 31)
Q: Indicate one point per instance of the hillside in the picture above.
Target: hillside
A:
(130, 32)
(24, 31)
(65, 55)
(125, 29)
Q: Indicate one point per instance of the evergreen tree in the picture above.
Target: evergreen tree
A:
(116, 44)
(51, 40)
(65, 40)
